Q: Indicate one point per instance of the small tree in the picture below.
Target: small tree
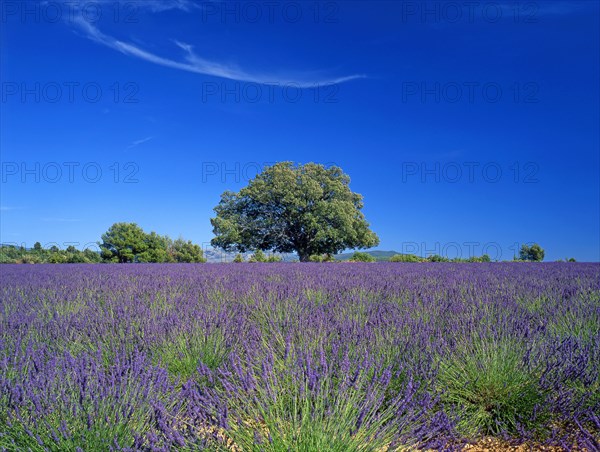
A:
(405, 258)
(437, 258)
(327, 257)
(362, 257)
(123, 242)
(533, 253)
(157, 249)
(56, 257)
(258, 256)
(238, 259)
(187, 252)
(37, 247)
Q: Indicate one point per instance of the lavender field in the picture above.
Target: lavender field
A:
(298, 357)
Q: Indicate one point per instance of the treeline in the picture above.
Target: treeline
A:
(11, 254)
(366, 257)
(129, 243)
(122, 243)
(533, 253)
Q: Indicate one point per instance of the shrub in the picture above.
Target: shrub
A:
(258, 256)
(76, 403)
(362, 257)
(491, 386)
(322, 258)
(437, 258)
(238, 258)
(183, 353)
(405, 258)
(304, 402)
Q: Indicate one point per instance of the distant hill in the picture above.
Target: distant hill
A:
(381, 256)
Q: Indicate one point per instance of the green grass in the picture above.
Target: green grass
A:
(282, 413)
(490, 385)
(182, 354)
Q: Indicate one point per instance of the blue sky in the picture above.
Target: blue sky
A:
(467, 129)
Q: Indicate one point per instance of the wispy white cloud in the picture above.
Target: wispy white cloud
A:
(191, 62)
(9, 208)
(138, 142)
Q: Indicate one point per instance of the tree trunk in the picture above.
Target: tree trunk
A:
(304, 257)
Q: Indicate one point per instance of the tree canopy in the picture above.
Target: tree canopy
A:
(127, 242)
(308, 209)
(532, 253)
(123, 242)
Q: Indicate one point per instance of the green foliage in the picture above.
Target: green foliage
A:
(56, 258)
(485, 258)
(406, 258)
(258, 256)
(362, 257)
(127, 242)
(491, 385)
(533, 253)
(308, 209)
(182, 354)
(437, 258)
(157, 249)
(30, 259)
(321, 258)
(186, 251)
(81, 420)
(91, 256)
(123, 242)
(284, 412)
(238, 259)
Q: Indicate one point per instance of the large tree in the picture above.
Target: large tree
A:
(308, 209)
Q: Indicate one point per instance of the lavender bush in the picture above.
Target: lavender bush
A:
(278, 357)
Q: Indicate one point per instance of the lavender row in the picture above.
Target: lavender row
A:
(298, 356)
